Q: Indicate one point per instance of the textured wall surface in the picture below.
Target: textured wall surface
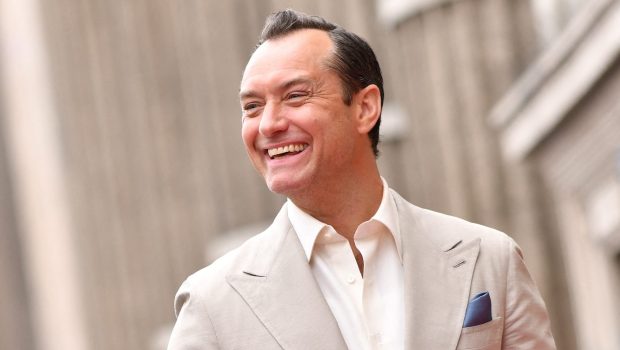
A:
(577, 162)
(147, 116)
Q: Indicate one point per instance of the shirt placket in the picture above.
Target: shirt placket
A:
(342, 262)
(368, 244)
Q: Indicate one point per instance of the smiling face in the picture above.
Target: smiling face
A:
(297, 130)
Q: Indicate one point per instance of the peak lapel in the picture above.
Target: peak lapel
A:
(437, 281)
(437, 289)
(287, 299)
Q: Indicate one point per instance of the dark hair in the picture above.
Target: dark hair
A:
(353, 59)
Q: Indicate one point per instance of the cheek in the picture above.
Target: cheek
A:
(248, 133)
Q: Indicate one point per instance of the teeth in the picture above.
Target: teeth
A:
(286, 149)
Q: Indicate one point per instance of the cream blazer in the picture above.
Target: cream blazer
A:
(263, 294)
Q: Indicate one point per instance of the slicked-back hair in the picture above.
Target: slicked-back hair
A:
(353, 59)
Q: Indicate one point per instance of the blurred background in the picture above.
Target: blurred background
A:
(122, 169)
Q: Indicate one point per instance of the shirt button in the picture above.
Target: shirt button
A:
(350, 279)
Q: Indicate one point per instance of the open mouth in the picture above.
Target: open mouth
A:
(284, 151)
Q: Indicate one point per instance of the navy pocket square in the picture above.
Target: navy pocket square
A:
(478, 310)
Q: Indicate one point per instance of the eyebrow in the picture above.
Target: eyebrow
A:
(287, 84)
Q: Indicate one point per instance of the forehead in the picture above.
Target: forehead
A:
(300, 52)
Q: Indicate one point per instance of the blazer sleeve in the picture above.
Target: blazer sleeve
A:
(527, 323)
(193, 329)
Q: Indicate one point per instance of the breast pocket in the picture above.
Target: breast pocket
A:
(487, 336)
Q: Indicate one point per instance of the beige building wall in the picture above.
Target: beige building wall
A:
(580, 162)
(563, 119)
(145, 121)
(15, 323)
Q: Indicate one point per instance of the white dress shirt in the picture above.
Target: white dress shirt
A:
(369, 309)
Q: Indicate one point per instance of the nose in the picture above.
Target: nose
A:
(272, 121)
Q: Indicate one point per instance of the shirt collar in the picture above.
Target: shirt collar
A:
(308, 227)
(388, 215)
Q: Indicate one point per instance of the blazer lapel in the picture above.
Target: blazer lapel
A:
(438, 273)
(282, 292)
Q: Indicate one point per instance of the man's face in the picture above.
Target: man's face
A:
(296, 128)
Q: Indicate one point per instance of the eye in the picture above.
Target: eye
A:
(250, 106)
(296, 95)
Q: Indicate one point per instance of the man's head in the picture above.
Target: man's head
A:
(307, 108)
(353, 59)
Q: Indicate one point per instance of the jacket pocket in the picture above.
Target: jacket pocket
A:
(486, 336)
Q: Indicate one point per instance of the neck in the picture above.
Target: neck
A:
(344, 204)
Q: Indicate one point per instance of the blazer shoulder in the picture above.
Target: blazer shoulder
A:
(458, 226)
(233, 261)
(444, 230)
(252, 255)
(208, 285)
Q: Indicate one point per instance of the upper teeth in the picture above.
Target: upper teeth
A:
(285, 149)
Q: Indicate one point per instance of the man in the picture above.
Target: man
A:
(347, 263)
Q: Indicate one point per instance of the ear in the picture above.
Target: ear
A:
(368, 101)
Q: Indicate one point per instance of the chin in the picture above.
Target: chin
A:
(285, 187)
